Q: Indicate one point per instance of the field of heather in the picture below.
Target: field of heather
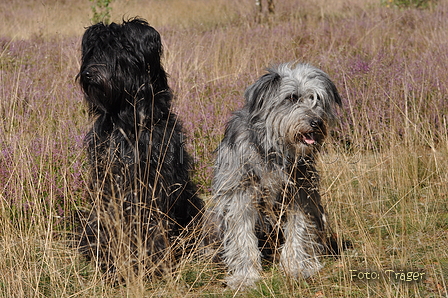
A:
(384, 169)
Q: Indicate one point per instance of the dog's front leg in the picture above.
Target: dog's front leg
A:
(241, 253)
(300, 250)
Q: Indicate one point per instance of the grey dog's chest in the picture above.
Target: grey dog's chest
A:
(280, 185)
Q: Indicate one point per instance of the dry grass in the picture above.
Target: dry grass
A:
(384, 173)
(30, 18)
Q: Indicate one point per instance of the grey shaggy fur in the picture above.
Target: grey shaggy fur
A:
(266, 203)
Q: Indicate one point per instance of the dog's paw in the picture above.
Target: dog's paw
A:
(242, 281)
(305, 268)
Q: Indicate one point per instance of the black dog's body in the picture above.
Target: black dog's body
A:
(142, 195)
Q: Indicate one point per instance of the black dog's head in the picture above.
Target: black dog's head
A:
(121, 67)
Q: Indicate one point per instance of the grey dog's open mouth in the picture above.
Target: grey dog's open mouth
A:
(307, 138)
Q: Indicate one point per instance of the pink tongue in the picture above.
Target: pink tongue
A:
(309, 138)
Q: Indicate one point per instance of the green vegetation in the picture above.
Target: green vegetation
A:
(101, 11)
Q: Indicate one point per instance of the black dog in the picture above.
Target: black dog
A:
(142, 198)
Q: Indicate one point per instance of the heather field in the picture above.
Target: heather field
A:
(384, 169)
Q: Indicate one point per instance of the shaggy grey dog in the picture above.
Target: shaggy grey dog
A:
(266, 203)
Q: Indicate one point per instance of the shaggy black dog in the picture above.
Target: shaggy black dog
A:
(143, 202)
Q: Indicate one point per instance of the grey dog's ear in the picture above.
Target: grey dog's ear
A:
(334, 90)
(263, 88)
(328, 85)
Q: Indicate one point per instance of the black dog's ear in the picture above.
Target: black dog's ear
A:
(91, 37)
(143, 35)
(263, 88)
(147, 44)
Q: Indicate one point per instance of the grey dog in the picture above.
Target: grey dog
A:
(266, 203)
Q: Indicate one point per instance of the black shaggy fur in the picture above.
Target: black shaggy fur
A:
(143, 201)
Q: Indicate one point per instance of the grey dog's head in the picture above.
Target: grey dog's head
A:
(293, 106)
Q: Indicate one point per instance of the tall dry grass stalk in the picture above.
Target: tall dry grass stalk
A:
(384, 171)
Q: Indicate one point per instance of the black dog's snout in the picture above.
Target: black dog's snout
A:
(86, 74)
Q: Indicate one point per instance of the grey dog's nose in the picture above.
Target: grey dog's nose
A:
(316, 123)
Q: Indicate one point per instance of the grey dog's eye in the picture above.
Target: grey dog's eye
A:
(293, 98)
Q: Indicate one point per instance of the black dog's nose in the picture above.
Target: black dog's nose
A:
(316, 123)
(86, 74)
